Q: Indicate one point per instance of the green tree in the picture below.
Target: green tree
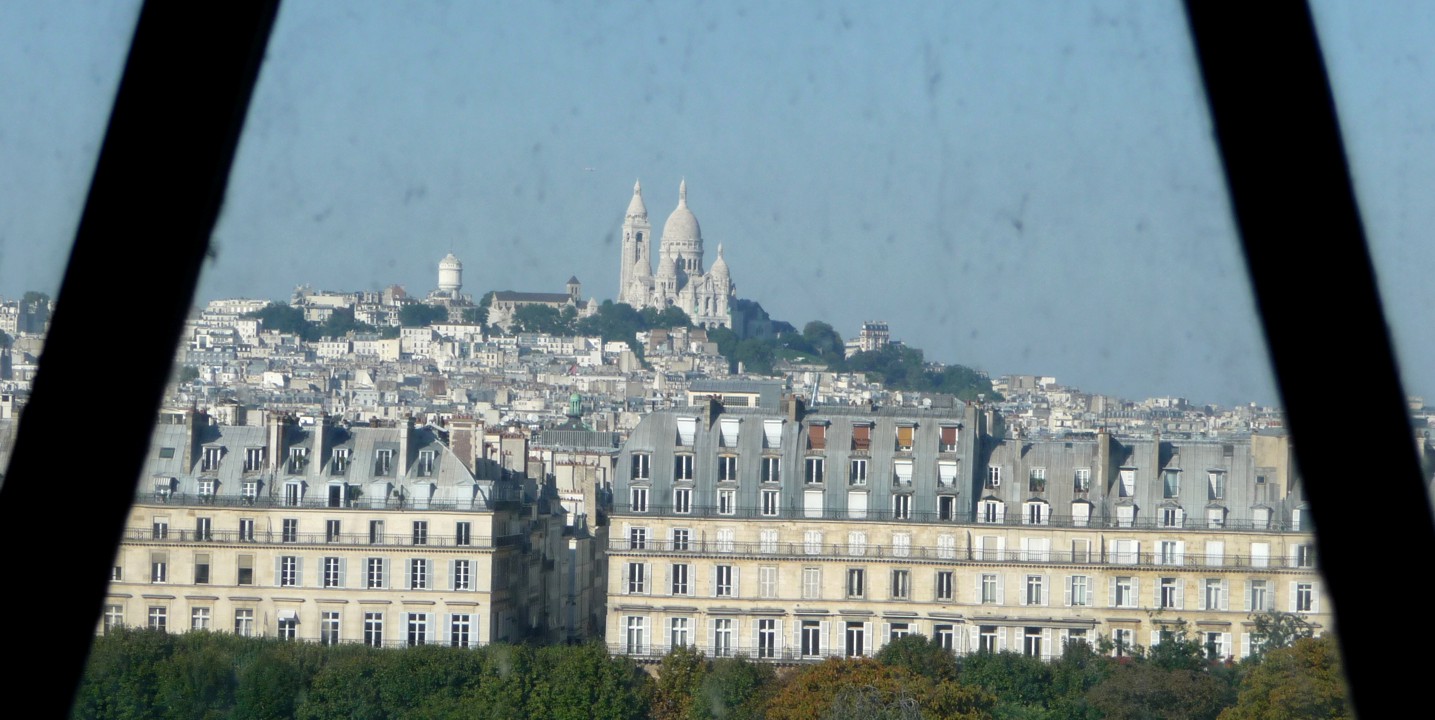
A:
(920, 656)
(733, 688)
(421, 315)
(1080, 668)
(1145, 691)
(197, 680)
(1300, 682)
(579, 682)
(1015, 679)
(679, 675)
(544, 319)
(121, 676)
(270, 685)
(340, 323)
(285, 319)
(1281, 629)
(188, 373)
(755, 355)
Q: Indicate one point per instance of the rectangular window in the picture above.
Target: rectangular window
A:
(727, 502)
(117, 573)
(637, 628)
(817, 437)
(722, 637)
(1171, 484)
(1079, 591)
(1216, 484)
(289, 532)
(159, 529)
(1215, 645)
(767, 638)
(288, 628)
(421, 532)
(1125, 592)
(902, 473)
(638, 499)
(1215, 594)
(727, 468)
(857, 543)
(946, 508)
(159, 618)
(461, 630)
(680, 579)
(637, 538)
(1260, 555)
(723, 580)
(901, 507)
(114, 618)
(1035, 590)
(1170, 594)
(642, 465)
(201, 568)
(811, 583)
(288, 571)
(246, 530)
(856, 582)
(1031, 645)
(253, 459)
(767, 582)
(374, 629)
(991, 511)
(245, 565)
(770, 503)
(857, 472)
(1037, 513)
(250, 491)
(637, 578)
(244, 622)
(767, 541)
(682, 467)
(946, 474)
(375, 573)
(1304, 556)
(159, 567)
(1257, 599)
(770, 469)
(678, 633)
(199, 618)
(341, 461)
(856, 639)
(949, 439)
(1036, 479)
(1121, 639)
(816, 470)
(426, 463)
(463, 534)
(680, 539)
(418, 574)
(206, 490)
(901, 584)
(812, 542)
(383, 462)
(209, 459)
(1304, 597)
(987, 638)
(462, 575)
(1127, 487)
(945, 637)
(1172, 517)
(904, 437)
(418, 629)
(333, 572)
(1125, 552)
(376, 532)
(945, 586)
(811, 638)
(1170, 552)
(331, 531)
(203, 529)
(293, 493)
(329, 627)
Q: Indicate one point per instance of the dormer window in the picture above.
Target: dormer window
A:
(946, 474)
(383, 461)
(682, 467)
(994, 477)
(1171, 484)
(817, 437)
(209, 459)
(250, 491)
(902, 473)
(1216, 480)
(298, 458)
(1036, 479)
(772, 434)
(426, 463)
(949, 438)
(1082, 480)
(687, 431)
(729, 427)
(861, 437)
(641, 466)
(206, 489)
(905, 433)
(341, 461)
(1128, 482)
(253, 459)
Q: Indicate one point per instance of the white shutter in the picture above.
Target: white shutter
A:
(626, 578)
(812, 502)
(442, 634)
(869, 646)
(388, 576)
(1155, 637)
(452, 575)
(278, 571)
(886, 634)
(1066, 585)
(1001, 590)
(772, 432)
(712, 626)
(1247, 595)
(1180, 552)
(1290, 601)
(1245, 645)
(901, 545)
(1180, 593)
(1045, 589)
(1025, 549)
(1001, 639)
(713, 583)
(736, 590)
(1260, 554)
(1315, 597)
(1226, 644)
(797, 637)
(343, 572)
(298, 572)
(1136, 592)
(1225, 594)
(1111, 593)
(824, 638)
(857, 505)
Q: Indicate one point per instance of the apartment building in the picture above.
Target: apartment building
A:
(790, 533)
(390, 536)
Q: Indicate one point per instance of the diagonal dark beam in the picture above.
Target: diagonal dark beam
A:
(156, 193)
(1305, 248)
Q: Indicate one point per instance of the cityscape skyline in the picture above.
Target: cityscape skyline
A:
(1038, 197)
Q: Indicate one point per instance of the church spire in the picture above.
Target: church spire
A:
(683, 193)
(636, 208)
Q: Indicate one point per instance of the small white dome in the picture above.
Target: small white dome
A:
(682, 225)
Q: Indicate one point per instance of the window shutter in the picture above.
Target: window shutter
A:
(1067, 600)
(1245, 645)
(1046, 648)
(1001, 591)
(1315, 597)
(1001, 543)
(1136, 592)
(1180, 593)
(736, 592)
(1025, 591)
(626, 579)
(712, 627)
(1111, 592)
(1155, 637)
(407, 568)
(868, 647)
(1180, 552)
(797, 637)
(442, 632)
(1247, 594)
(713, 579)
(1045, 589)
(1225, 594)
(452, 575)
(1001, 639)
(1291, 597)
(298, 572)
(343, 572)
(1226, 643)
(824, 639)
(886, 633)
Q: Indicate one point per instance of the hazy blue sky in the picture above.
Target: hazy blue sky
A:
(1025, 188)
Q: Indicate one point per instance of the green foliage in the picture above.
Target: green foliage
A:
(1300, 682)
(1281, 629)
(122, 676)
(679, 676)
(34, 297)
(1145, 691)
(755, 355)
(1179, 649)
(669, 317)
(284, 319)
(920, 656)
(1013, 677)
(733, 688)
(421, 315)
(543, 319)
(341, 322)
(1080, 668)
(188, 373)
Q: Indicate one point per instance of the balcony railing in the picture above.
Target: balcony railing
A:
(278, 537)
(1014, 516)
(964, 553)
(314, 503)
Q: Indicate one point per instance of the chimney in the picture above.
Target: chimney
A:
(276, 440)
(1102, 471)
(320, 445)
(461, 440)
(406, 431)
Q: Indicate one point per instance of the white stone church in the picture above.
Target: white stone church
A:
(680, 280)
